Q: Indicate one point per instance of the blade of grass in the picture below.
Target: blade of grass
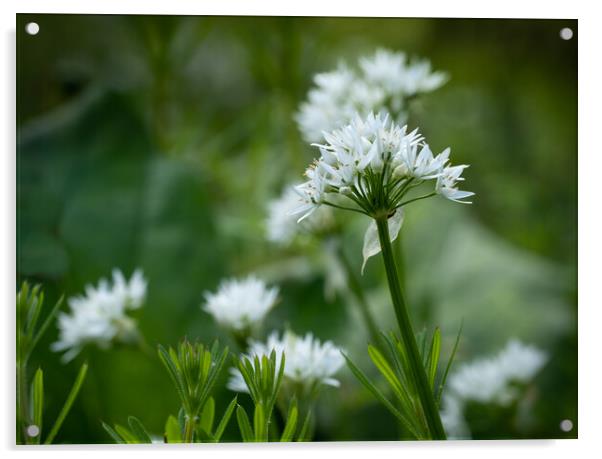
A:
(449, 364)
(138, 430)
(79, 380)
(113, 434)
(225, 419)
(37, 398)
(244, 425)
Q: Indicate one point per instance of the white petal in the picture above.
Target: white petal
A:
(371, 242)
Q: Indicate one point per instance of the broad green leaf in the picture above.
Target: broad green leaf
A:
(138, 430)
(79, 380)
(173, 434)
(291, 422)
(244, 425)
(207, 415)
(225, 419)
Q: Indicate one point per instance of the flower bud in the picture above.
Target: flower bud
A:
(400, 171)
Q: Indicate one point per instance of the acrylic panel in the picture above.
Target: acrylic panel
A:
(239, 229)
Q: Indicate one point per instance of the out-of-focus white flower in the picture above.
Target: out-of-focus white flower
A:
(381, 84)
(240, 304)
(308, 362)
(282, 227)
(100, 316)
(494, 380)
(490, 380)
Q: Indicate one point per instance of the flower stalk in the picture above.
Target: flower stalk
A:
(427, 398)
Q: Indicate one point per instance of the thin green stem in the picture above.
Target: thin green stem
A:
(328, 203)
(416, 199)
(356, 290)
(425, 394)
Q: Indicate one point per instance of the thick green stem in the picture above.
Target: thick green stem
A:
(427, 398)
(189, 427)
(356, 290)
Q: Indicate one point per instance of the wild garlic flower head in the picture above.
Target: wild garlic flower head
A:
(375, 163)
(382, 83)
(282, 227)
(240, 304)
(494, 379)
(308, 362)
(100, 315)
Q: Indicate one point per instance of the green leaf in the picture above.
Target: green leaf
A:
(225, 419)
(383, 366)
(379, 396)
(124, 433)
(116, 437)
(433, 359)
(167, 357)
(304, 434)
(207, 415)
(37, 396)
(49, 319)
(173, 433)
(79, 380)
(291, 422)
(244, 425)
(204, 436)
(138, 430)
(449, 364)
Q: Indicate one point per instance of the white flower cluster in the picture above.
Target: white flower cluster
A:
(100, 316)
(240, 304)
(383, 83)
(307, 361)
(375, 145)
(494, 380)
(282, 227)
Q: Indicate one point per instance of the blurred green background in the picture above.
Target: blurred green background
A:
(158, 141)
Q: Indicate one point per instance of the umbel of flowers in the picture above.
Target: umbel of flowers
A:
(100, 316)
(383, 82)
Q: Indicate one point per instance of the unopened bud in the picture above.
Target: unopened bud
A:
(400, 171)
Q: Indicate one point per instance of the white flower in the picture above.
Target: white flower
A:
(100, 316)
(307, 361)
(382, 83)
(282, 227)
(496, 380)
(240, 304)
(490, 380)
(447, 184)
(373, 147)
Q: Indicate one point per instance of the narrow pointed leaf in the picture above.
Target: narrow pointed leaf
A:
(449, 364)
(124, 433)
(207, 416)
(138, 430)
(114, 435)
(291, 423)
(433, 359)
(225, 419)
(244, 425)
(37, 392)
(79, 380)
